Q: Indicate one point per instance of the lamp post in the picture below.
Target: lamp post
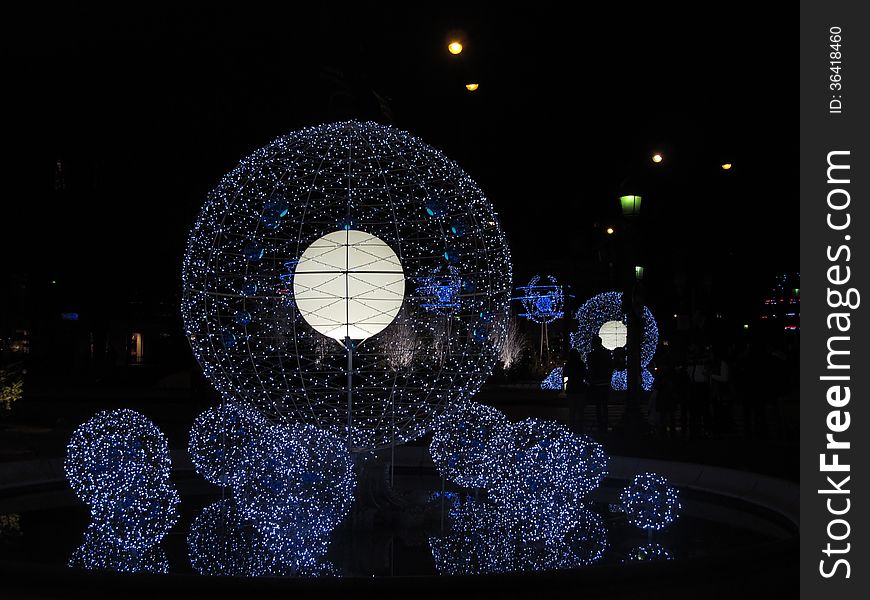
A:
(632, 304)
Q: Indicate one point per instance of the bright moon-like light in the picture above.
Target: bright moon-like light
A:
(657, 157)
(349, 284)
(613, 334)
(472, 87)
(726, 166)
(610, 231)
(454, 47)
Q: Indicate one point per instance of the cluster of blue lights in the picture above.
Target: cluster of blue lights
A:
(619, 380)
(649, 502)
(241, 318)
(118, 463)
(471, 445)
(543, 302)
(535, 473)
(554, 381)
(280, 475)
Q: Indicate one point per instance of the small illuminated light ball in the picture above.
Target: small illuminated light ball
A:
(726, 167)
(115, 451)
(472, 87)
(657, 157)
(650, 502)
(454, 47)
(219, 440)
(138, 518)
(610, 231)
(349, 284)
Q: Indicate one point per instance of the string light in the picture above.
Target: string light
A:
(649, 502)
(542, 303)
(239, 310)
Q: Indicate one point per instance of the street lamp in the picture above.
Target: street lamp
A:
(657, 157)
(630, 205)
(472, 87)
(455, 47)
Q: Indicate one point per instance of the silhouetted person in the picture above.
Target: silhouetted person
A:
(600, 366)
(576, 389)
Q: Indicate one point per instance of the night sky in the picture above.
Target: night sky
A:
(148, 107)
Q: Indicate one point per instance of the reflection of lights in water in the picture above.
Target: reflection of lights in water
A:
(650, 502)
(649, 552)
(489, 538)
(536, 474)
(101, 552)
(138, 518)
(222, 542)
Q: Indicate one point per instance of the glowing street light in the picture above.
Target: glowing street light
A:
(726, 167)
(454, 47)
(610, 231)
(472, 87)
(657, 157)
(630, 205)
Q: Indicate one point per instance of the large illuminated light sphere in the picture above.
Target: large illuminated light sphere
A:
(337, 231)
(349, 284)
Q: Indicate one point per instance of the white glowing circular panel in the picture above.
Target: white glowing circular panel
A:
(613, 334)
(349, 284)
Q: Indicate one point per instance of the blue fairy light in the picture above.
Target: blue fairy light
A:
(139, 517)
(542, 302)
(554, 381)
